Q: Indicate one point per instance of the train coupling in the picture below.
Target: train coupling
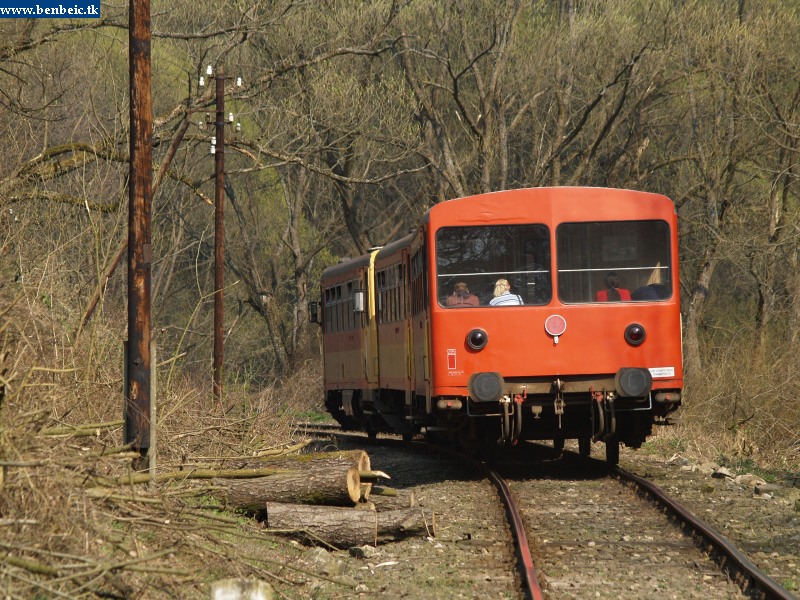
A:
(511, 421)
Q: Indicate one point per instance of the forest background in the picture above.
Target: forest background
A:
(356, 117)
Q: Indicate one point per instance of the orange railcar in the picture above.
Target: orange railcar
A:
(581, 339)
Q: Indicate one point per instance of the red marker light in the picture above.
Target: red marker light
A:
(635, 334)
(555, 325)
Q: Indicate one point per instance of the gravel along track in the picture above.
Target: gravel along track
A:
(595, 538)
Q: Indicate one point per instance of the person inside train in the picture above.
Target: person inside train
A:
(653, 289)
(613, 291)
(461, 296)
(503, 295)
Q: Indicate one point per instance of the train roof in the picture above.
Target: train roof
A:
(346, 266)
(394, 246)
(551, 205)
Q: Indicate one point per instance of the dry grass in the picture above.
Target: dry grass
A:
(737, 411)
(67, 534)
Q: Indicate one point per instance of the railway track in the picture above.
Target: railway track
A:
(597, 538)
(583, 531)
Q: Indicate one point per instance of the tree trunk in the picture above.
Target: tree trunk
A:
(694, 312)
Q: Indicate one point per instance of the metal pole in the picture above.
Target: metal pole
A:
(219, 232)
(137, 400)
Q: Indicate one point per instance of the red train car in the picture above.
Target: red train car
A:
(545, 313)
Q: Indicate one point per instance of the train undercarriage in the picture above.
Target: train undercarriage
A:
(596, 415)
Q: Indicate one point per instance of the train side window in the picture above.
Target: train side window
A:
(339, 309)
(398, 292)
(425, 270)
(326, 310)
(349, 307)
(416, 282)
(401, 290)
(392, 287)
(380, 279)
(613, 261)
(329, 310)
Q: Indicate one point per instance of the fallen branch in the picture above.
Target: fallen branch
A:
(29, 565)
(108, 494)
(137, 478)
(372, 475)
(73, 429)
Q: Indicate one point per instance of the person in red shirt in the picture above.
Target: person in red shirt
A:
(613, 291)
(461, 296)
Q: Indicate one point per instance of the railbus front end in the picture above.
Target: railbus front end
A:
(576, 330)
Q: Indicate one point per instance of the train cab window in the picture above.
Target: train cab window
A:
(478, 256)
(613, 261)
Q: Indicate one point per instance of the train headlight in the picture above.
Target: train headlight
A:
(477, 339)
(635, 334)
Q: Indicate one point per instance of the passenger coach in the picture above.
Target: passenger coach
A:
(419, 335)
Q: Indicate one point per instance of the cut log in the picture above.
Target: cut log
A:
(357, 458)
(385, 498)
(316, 483)
(346, 527)
(341, 527)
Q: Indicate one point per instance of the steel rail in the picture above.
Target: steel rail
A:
(732, 560)
(531, 583)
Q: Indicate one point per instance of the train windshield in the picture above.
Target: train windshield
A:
(471, 260)
(613, 261)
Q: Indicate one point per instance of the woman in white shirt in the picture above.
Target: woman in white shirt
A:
(503, 295)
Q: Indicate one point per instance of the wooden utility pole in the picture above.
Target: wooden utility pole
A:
(219, 233)
(138, 359)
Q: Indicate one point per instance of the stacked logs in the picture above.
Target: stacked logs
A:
(325, 497)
